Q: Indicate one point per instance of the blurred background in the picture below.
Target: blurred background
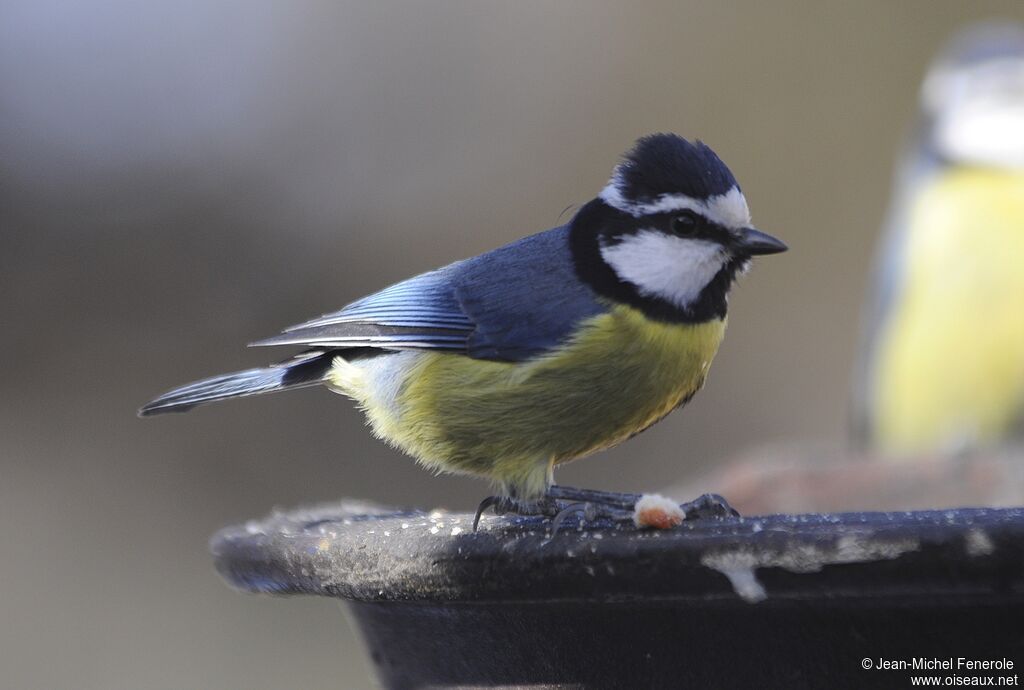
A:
(178, 179)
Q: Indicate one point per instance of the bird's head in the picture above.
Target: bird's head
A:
(669, 232)
(973, 98)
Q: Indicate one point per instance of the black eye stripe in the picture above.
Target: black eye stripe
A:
(701, 227)
(618, 225)
(686, 223)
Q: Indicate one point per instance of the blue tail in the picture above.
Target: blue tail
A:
(308, 371)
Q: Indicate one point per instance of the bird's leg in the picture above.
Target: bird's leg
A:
(606, 498)
(591, 504)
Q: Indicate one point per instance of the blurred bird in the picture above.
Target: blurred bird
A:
(942, 367)
(547, 349)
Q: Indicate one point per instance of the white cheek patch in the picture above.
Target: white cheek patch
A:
(671, 268)
(729, 210)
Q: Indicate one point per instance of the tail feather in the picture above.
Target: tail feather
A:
(308, 371)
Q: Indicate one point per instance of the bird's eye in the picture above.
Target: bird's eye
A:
(685, 223)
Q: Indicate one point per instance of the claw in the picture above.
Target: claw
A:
(503, 504)
(708, 506)
(586, 511)
(490, 501)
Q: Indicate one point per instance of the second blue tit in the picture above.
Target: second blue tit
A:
(943, 365)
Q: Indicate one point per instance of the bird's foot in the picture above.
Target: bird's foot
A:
(502, 505)
(556, 508)
(562, 503)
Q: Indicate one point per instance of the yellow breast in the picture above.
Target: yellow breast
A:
(512, 421)
(950, 358)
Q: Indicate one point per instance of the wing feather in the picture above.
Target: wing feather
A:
(513, 303)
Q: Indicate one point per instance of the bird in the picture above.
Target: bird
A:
(545, 350)
(941, 367)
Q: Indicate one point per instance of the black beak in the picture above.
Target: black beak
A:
(754, 242)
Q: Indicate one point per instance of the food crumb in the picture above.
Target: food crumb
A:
(654, 510)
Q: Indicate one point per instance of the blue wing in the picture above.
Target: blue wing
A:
(513, 303)
(419, 313)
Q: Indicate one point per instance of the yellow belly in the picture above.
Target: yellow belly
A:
(511, 422)
(950, 359)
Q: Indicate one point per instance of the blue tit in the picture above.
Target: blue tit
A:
(942, 363)
(545, 350)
